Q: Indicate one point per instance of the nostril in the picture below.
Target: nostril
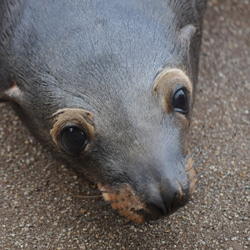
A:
(180, 199)
(162, 205)
(157, 205)
(174, 203)
(158, 209)
(168, 199)
(167, 202)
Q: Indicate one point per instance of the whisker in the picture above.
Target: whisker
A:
(194, 166)
(198, 145)
(106, 192)
(100, 204)
(94, 189)
(86, 196)
(185, 160)
(195, 149)
(199, 174)
(198, 163)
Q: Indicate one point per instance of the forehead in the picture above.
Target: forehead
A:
(95, 38)
(110, 48)
(91, 53)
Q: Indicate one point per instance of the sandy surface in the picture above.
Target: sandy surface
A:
(43, 204)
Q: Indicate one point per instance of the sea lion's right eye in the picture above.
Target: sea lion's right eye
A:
(73, 139)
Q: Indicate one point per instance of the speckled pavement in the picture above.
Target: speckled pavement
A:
(44, 205)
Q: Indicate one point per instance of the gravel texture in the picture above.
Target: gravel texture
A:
(44, 205)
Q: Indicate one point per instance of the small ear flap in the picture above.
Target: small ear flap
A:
(12, 93)
(186, 34)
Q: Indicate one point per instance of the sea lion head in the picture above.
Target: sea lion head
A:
(135, 148)
(111, 92)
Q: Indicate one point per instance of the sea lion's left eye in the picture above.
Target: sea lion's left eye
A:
(73, 139)
(180, 100)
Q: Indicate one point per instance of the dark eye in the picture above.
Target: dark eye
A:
(180, 100)
(73, 139)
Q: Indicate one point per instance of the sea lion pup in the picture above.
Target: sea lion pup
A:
(109, 86)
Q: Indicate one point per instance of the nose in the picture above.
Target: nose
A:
(167, 199)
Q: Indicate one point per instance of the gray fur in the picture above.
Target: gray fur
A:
(102, 56)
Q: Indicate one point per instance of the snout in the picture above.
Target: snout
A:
(167, 199)
(152, 200)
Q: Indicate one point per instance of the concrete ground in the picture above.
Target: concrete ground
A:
(43, 205)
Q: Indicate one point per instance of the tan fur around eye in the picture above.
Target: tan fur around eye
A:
(167, 81)
(66, 117)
